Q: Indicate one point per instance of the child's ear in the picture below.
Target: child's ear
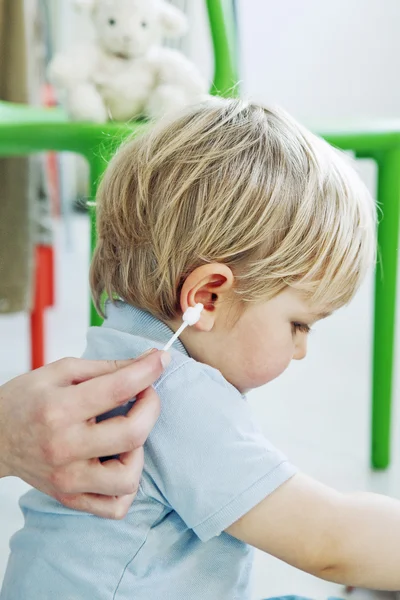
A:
(208, 284)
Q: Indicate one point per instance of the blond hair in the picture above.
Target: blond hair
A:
(236, 183)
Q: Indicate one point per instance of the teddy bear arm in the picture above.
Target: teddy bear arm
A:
(175, 69)
(84, 103)
(66, 71)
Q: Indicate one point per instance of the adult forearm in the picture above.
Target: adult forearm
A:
(366, 543)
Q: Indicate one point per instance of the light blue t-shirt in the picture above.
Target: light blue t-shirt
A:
(206, 465)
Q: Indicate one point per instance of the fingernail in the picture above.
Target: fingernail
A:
(165, 359)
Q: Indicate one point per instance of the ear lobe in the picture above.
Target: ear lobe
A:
(173, 20)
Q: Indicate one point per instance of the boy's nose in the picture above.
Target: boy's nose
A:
(301, 349)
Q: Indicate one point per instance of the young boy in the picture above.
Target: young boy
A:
(239, 208)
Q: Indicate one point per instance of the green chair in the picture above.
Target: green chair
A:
(382, 144)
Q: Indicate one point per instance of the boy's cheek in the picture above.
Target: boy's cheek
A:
(264, 369)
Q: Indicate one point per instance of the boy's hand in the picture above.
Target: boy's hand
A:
(347, 539)
(49, 436)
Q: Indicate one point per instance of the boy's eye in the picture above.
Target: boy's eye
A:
(111, 21)
(301, 328)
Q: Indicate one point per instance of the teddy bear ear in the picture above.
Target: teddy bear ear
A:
(84, 5)
(173, 20)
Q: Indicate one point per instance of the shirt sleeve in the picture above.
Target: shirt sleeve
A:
(206, 455)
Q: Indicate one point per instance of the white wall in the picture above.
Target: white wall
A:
(323, 60)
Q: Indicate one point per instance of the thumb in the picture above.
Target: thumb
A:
(69, 371)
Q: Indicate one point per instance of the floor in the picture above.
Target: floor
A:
(317, 413)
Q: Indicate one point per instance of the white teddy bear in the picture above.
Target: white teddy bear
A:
(126, 73)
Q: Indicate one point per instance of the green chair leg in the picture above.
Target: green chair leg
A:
(97, 165)
(385, 304)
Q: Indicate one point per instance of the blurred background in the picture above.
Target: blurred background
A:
(327, 63)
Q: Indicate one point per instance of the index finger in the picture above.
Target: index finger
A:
(97, 396)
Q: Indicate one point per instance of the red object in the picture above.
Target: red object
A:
(43, 298)
(54, 183)
(44, 258)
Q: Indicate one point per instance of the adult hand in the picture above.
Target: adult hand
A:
(49, 436)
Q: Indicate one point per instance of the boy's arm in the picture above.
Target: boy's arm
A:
(349, 539)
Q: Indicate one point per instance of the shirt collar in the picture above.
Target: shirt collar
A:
(127, 318)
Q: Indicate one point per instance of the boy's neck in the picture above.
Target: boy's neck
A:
(195, 342)
(206, 347)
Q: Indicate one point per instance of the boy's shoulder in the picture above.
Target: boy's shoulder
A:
(106, 343)
(196, 382)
